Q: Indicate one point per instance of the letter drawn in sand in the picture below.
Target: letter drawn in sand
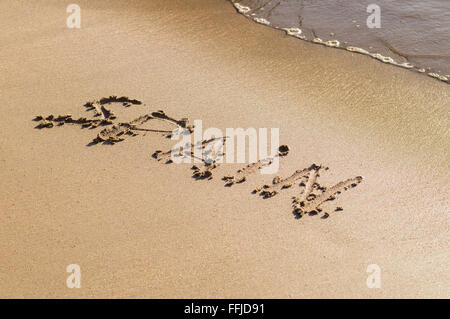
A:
(313, 195)
(242, 174)
(103, 116)
(310, 203)
(278, 183)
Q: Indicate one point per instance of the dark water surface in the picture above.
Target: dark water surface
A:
(413, 34)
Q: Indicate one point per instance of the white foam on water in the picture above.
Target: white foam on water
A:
(438, 76)
(334, 43)
(295, 32)
(358, 50)
(318, 40)
(382, 58)
(241, 8)
(261, 20)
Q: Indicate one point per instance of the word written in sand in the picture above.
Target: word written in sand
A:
(311, 195)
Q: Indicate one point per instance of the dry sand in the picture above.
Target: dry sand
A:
(140, 228)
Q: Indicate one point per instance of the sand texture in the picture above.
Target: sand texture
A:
(86, 175)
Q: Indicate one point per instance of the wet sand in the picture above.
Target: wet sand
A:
(140, 228)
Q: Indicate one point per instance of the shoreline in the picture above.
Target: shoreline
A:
(336, 44)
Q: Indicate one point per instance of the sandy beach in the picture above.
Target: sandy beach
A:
(139, 228)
